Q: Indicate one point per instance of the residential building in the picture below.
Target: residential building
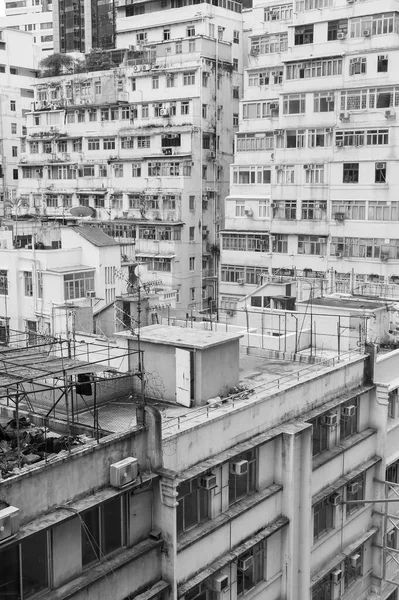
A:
(313, 179)
(59, 289)
(146, 147)
(33, 16)
(285, 500)
(19, 59)
(81, 25)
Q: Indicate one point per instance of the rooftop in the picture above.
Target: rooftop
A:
(351, 303)
(94, 235)
(184, 337)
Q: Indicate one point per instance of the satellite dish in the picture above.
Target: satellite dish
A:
(81, 211)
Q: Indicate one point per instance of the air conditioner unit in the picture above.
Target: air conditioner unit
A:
(249, 212)
(240, 281)
(335, 499)
(146, 67)
(239, 467)
(339, 143)
(380, 165)
(323, 205)
(344, 116)
(348, 411)
(219, 583)
(330, 99)
(331, 420)
(339, 216)
(167, 151)
(279, 132)
(385, 257)
(208, 482)
(366, 33)
(132, 48)
(164, 112)
(355, 560)
(244, 564)
(9, 522)
(211, 156)
(90, 294)
(329, 130)
(136, 68)
(353, 488)
(341, 35)
(307, 167)
(336, 575)
(273, 105)
(124, 472)
(390, 114)
(338, 254)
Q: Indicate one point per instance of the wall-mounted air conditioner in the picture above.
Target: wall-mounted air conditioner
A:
(239, 467)
(9, 522)
(124, 472)
(208, 482)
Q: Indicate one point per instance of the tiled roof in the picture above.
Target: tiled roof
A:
(95, 236)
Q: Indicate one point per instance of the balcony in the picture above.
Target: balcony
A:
(156, 247)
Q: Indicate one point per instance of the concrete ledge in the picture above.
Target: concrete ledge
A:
(353, 440)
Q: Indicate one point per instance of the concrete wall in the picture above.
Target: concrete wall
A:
(220, 370)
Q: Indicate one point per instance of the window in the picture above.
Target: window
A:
(294, 104)
(24, 567)
(235, 120)
(166, 34)
(191, 46)
(191, 263)
(13, 106)
(243, 481)
(143, 141)
(377, 24)
(13, 128)
(102, 528)
(192, 234)
(323, 518)
(351, 572)
(382, 63)
(392, 403)
(118, 169)
(136, 170)
(93, 144)
(320, 435)
(188, 78)
(254, 572)
(326, 67)
(155, 82)
(355, 493)
(351, 173)
(235, 64)
(337, 30)
(304, 35)
(349, 418)
(3, 283)
(204, 111)
(109, 144)
(381, 172)
(145, 111)
(191, 202)
(323, 102)
(357, 66)
(311, 244)
(170, 80)
(190, 30)
(286, 174)
(15, 173)
(192, 294)
(322, 590)
(14, 150)
(28, 283)
(179, 48)
(236, 37)
(76, 285)
(185, 107)
(236, 92)
(314, 174)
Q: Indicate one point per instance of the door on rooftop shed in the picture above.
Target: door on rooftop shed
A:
(183, 377)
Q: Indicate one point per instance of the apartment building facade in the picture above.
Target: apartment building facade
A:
(16, 95)
(313, 181)
(33, 16)
(146, 146)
